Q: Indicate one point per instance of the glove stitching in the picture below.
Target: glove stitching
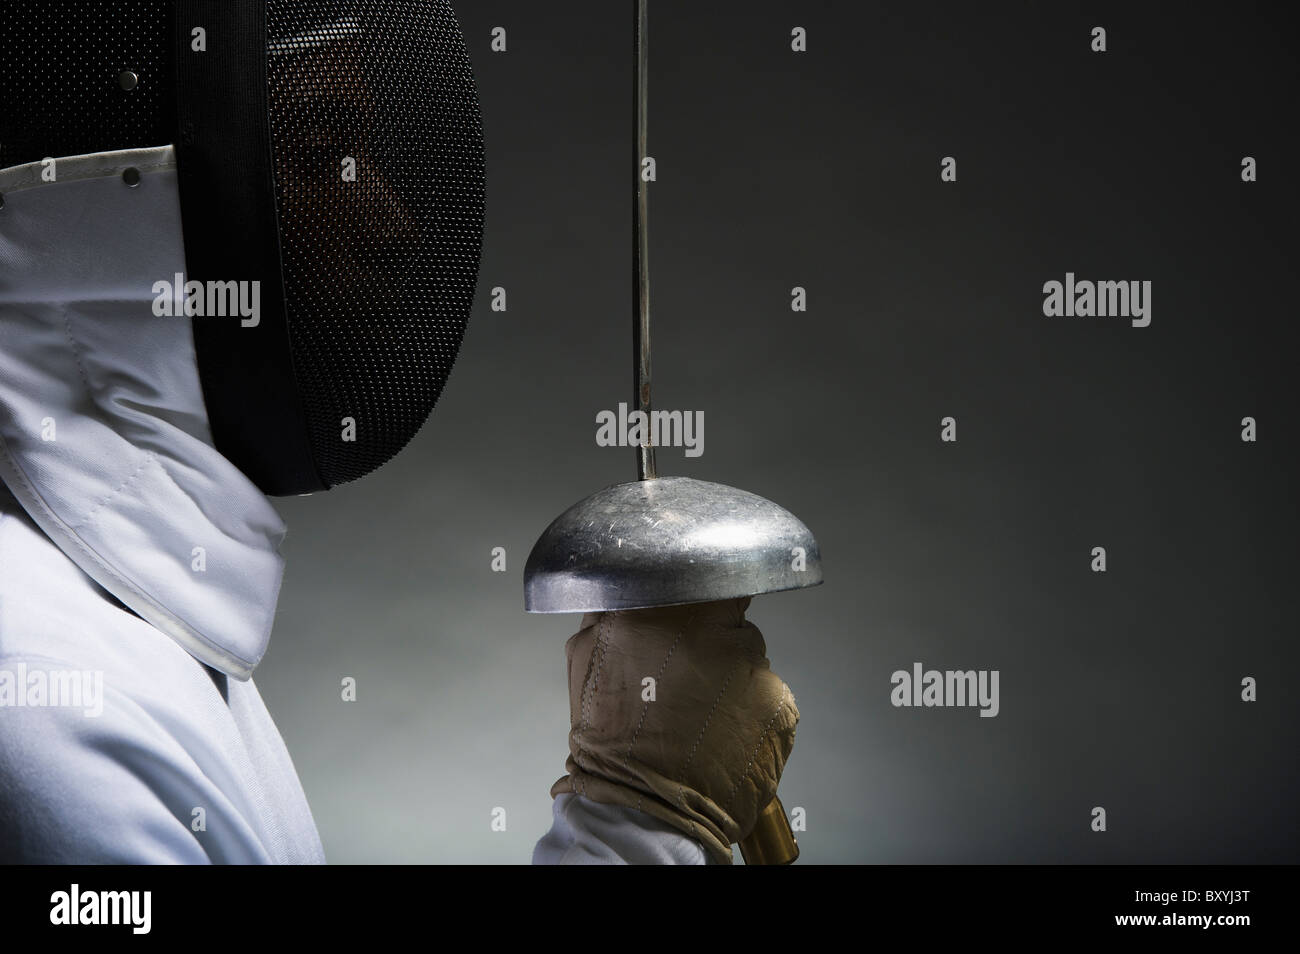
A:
(603, 648)
(681, 772)
(734, 789)
(589, 692)
(646, 708)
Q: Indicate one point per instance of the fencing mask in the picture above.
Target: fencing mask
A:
(331, 180)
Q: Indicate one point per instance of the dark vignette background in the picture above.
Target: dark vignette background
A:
(822, 169)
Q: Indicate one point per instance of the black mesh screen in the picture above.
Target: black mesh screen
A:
(379, 256)
(379, 184)
(59, 67)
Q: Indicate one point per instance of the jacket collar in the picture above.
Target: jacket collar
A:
(104, 438)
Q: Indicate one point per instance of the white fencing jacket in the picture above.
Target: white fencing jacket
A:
(139, 569)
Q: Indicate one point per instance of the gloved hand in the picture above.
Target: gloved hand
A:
(707, 753)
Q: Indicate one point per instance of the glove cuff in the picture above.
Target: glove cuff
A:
(715, 838)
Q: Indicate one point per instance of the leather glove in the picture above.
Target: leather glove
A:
(703, 746)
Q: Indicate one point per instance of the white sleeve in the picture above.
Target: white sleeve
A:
(591, 833)
(78, 790)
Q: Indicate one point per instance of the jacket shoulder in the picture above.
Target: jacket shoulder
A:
(82, 779)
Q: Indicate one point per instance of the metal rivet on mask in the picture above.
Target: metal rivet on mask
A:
(127, 80)
(131, 176)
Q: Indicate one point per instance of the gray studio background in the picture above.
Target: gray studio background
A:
(778, 169)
